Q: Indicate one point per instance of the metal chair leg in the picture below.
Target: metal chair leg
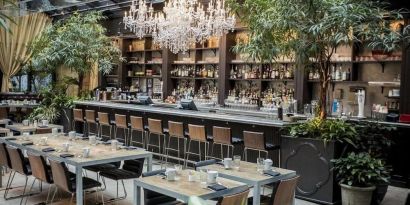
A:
(29, 191)
(24, 190)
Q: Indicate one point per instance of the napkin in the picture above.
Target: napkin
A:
(27, 143)
(220, 163)
(48, 149)
(106, 142)
(66, 155)
(10, 138)
(217, 187)
(271, 173)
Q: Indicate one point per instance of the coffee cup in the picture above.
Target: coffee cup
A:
(86, 152)
(171, 174)
(268, 164)
(66, 147)
(228, 163)
(43, 141)
(25, 122)
(212, 175)
(26, 135)
(114, 144)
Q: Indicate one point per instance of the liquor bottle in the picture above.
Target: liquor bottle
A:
(310, 75)
(348, 74)
(344, 75)
(338, 74)
(333, 72)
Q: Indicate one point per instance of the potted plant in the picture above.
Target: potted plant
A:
(358, 175)
(77, 44)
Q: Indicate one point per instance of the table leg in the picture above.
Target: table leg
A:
(137, 194)
(256, 195)
(149, 163)
(79, 185)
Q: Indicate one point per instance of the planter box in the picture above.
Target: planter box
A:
(310, 158)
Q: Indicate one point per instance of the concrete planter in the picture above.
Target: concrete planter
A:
(310, 158)
(356, 195)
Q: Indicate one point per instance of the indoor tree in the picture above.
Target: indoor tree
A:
(77, 43)
(310, 31)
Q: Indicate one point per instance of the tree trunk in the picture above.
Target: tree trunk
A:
(80, 84)
(323, 100)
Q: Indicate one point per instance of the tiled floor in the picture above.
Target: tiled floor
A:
(395, 196)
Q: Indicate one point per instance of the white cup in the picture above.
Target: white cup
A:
(92, 139)
(171, 174)
(66, 147)
(228, 163)
(54, 131)
(212, 175)
(86, 152)
(71, 135)
(26, 135)
(26, 122)
(44, 122)
(43, 141)
(10, 134)
(268, 164)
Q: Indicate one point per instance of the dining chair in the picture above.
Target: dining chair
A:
(18, 165)
(283, 192)
(197, 133)
(131, 169)
(121, 123)
(90, 119)
(6, 164)
(155, 129)
(237, 197)
(40, 171)
(223, 136)
(256, 141)
(78, 117)
(154, 198)
(176, 132)
(66, 181)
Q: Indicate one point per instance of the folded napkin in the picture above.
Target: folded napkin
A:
(130, 147)
(66, 155)
(48, 149)
(217, 187)
(27, 143)
(106, 142)
(10, 138)
(271, 173)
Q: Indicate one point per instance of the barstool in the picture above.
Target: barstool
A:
(137, 125)
(90, 120)
(78, 117)
(256, 141)
(104, 121)
(155, 127)
(175, 131)
(196, 134)
(222, 136)
(121, 122)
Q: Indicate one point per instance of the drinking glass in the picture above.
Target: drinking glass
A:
(178, 168)
(203, 176)
(236, 162)
(260, 164)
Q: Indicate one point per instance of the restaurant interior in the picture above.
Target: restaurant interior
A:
(197, 102)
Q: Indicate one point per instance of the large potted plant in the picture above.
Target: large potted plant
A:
(358, 175)
(78, 44)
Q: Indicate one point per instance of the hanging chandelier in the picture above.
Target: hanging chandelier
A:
(180, 23)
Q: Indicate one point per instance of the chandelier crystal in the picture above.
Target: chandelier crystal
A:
(180, 23)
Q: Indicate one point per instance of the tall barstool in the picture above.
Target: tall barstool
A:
(78, 117)
(121, 123)
(155, 128)
(90, 120)
(175, 131)
(197, 133)
(256, 141)
(137, 125)
(104, 121)
(222, 136)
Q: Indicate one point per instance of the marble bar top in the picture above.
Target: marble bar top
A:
(236, 118)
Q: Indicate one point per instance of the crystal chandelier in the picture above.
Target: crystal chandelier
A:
(180, 23)
(140, 20)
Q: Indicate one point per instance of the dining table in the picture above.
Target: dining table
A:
(182, 188)
(21, 128)
(101, 153)
(249, 174)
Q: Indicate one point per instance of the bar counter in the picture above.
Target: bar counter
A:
(204, 113)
